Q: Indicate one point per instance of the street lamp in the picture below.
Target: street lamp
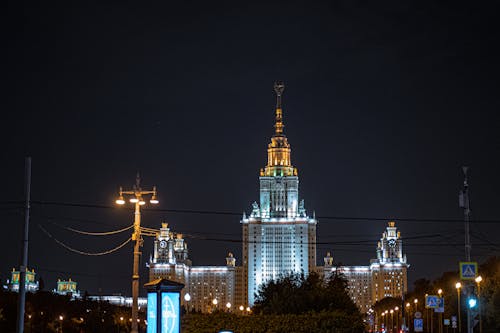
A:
(137, 198)
(416, 302)
(478, 281)
(392, 320)
(396, 309)
(61, 321)
(440, 316)
(187, 298)
(458, 285)
(228, 306)
(242, 308)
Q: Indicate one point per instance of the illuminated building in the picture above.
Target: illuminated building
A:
(67, 288)
(203, 283)
(389, 270)
(386, 276)
(278, 235)
(31, 283)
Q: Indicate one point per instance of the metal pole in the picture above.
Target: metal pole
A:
(466, 206)
(22, 269)
(135, 274)
(459, 310)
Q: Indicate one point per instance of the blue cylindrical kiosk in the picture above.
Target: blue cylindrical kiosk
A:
(164, 306)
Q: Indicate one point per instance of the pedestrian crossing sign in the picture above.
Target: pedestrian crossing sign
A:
(431, 301)
(468, 270)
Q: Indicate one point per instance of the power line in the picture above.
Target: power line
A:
(214, 212)
(82, 252)
(106, 233)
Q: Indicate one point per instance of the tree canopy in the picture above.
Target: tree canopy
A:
(296, 294)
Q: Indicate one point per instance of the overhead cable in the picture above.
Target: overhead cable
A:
(82, 252)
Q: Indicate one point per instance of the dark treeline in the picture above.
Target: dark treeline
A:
(47, 312)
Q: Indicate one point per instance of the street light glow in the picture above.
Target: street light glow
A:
(458, 285)
(479, 279)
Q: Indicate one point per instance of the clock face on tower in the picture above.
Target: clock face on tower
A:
(391, 243)
(163, 244)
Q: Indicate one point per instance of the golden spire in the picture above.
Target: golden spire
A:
(279, 86)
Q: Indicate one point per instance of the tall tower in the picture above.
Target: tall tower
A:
(278, 236)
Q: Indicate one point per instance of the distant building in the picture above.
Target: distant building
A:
(386, 276)
(67, 288)
(279, 237)
(119, 300)
(204, 284)
(32, 284)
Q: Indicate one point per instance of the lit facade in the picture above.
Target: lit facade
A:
(386, 276)
(31, 283)
(67, 287)
(278, 236)
(203, 284)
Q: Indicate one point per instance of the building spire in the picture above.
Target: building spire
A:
(279, 86)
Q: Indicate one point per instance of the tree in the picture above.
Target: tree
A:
(296, 294)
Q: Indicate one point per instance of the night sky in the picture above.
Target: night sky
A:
(383, 105)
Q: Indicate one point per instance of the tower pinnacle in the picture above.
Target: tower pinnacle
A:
(279, 86)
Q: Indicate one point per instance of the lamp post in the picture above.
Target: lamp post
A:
(478, 281)
(416, 302)
(396, 309)
(61, 322)
(392, 320)
(137, 198)
(440, 316)
(214, 302)
(408, 305)
(383, 321)
(458, 285)
(228, 306)
(187, 298)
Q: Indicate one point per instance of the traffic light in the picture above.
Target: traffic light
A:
(472, 302)
(472, 311)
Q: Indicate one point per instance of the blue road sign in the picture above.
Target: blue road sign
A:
(468, 270)
(431, 301)
(418, 325)
(440, 307)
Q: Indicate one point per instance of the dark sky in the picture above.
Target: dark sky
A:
(383, 104)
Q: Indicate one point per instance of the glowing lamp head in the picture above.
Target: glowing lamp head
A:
(142, 202)
(61, 317)
(392, 311)
(154, 200)
(415, 301)
(214, 302)
(187, 297)
(407, 304)
(134, 200)
(242, 308)
(479, 279)
(120, 201)
(228, 305)
(248, 309)
(396, 308)
(472, 302)
(458, 285)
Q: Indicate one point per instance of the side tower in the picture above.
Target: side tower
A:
(389, 270)
(278, 236)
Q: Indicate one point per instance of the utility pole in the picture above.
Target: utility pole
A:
(24, 264)
(136, 195)
(464, 202)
